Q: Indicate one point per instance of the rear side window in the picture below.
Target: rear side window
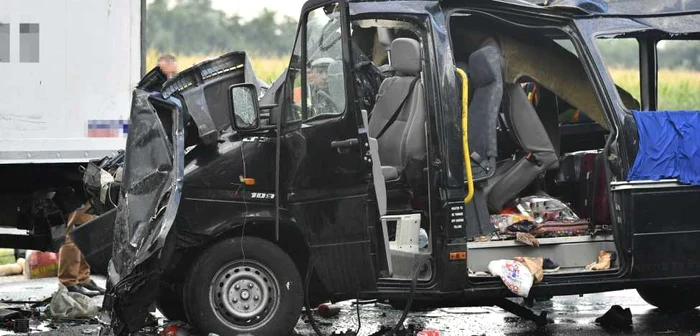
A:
(621, 56)
(29, 42)
(4, 42)
(679, 75)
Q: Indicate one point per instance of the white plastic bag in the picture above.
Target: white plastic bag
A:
(516, 276)
(67, 305)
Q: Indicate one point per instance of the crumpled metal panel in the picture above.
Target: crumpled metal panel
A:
(149, 201)
(203, 87)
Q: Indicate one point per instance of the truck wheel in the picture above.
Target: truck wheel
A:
(244, 286)
(671, 298)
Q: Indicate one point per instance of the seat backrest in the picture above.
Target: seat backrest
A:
(404, 139)
(526, 127)
(336, 84)
(486, 81)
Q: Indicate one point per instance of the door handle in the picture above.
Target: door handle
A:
(345, 143)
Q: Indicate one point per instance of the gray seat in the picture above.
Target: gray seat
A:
(336, 85)
(404, 139)
(486, 81)
(537, 156)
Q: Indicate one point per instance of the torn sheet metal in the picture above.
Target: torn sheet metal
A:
(148, 204)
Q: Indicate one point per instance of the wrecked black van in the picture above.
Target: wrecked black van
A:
(411, 149)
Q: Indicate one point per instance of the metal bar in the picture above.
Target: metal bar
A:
(143, 37)
(632, 185)
(648, 76)
(465, 135)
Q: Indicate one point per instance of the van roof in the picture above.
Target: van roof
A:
(579, 7)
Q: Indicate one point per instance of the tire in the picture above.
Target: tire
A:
(169, 302)
(671, 298)
(229, 295)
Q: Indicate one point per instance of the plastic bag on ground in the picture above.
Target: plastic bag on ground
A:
(67, 305)
(516, 276)
(534, 265)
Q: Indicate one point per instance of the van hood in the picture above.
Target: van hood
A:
(148, 204)
(190, 109)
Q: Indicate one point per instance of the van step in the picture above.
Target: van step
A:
(568, 252)
(542, 241)
(561, 271)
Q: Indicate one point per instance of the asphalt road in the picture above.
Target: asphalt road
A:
(572, 315)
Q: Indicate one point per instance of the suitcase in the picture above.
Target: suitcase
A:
(585, 184)
(582, 177)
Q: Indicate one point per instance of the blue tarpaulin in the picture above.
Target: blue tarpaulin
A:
(669, 146)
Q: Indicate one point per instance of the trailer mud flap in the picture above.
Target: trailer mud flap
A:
(149, 201)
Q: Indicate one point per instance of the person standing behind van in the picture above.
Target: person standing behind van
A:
(168, 64)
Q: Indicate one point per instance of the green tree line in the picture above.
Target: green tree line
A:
(194, 27)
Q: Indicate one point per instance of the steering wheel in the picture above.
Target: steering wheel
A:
(326, 97)
(296, 110)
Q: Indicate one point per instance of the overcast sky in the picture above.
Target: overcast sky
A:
(250, 8)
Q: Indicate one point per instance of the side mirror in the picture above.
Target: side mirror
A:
(245, 112)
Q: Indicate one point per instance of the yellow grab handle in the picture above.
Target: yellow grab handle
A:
(465, 137)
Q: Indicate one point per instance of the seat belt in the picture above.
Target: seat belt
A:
(398, 110)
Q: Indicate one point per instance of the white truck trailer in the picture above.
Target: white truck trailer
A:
(67, 70)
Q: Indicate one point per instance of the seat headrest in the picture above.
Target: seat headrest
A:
(335, 68)
(405, 56)
(485, 67)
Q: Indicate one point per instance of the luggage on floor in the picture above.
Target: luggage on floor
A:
(562, 228)
(582, 180)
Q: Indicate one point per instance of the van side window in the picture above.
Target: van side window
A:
(324, 92)
(621, 57)
(679, 74)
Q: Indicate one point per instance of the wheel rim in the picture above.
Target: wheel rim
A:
(244, 294)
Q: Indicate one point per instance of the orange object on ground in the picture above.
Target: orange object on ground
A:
(42, 265)
(428, 332)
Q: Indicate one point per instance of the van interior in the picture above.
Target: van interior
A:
(536, 134)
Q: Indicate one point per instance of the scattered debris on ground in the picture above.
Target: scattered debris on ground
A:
(65, 304)
(617, 318)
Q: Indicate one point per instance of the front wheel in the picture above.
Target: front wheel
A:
(246, 286)
(671, 298)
